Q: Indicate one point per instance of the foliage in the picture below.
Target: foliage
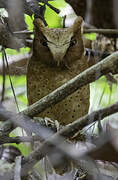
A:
(53, 19)
(101, 93)
(91, 36)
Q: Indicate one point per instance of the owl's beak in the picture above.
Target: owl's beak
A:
(58, 52)
(58, 56)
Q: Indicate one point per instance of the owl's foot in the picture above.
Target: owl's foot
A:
(54, 125)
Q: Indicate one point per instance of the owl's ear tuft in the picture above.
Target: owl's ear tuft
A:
(77, 26)
(39, 24)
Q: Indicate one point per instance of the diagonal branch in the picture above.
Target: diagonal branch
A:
(71, 129)
(109, 64)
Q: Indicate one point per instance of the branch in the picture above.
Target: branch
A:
(101, 31)
(109, 64)
(18, 139)
(85, 30)
(67, 132)
(71, 129)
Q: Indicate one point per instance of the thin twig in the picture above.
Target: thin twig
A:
(101, 31)
(5, 57)
(23, 32)
(18, 139)
(3, 79)
(50, 6)
(71, 129)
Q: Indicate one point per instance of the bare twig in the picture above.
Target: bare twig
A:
(90, 30)
(23, 32)
(17, 140)
(3, 79)
(50, 6)
(101, 31)
(71, 129)
(10, 80)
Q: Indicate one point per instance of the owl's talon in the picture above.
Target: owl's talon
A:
(52, 124)
(57, 125)
(48, 121)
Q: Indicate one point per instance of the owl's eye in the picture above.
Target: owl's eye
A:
(73, 42)
(44, 43)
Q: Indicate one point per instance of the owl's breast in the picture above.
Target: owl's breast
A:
(42, 80)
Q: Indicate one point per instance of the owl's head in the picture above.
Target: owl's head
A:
(58, 44)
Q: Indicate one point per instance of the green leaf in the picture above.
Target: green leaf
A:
(101, 95)
(52, 18)
(91, 36)
(29, 22)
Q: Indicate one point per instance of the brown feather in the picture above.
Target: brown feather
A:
(58, 56)
(44, 74)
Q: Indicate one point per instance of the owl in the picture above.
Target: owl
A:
(58, 56)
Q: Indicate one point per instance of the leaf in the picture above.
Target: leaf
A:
(91, 36)
(52, 18)
(29, 22)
